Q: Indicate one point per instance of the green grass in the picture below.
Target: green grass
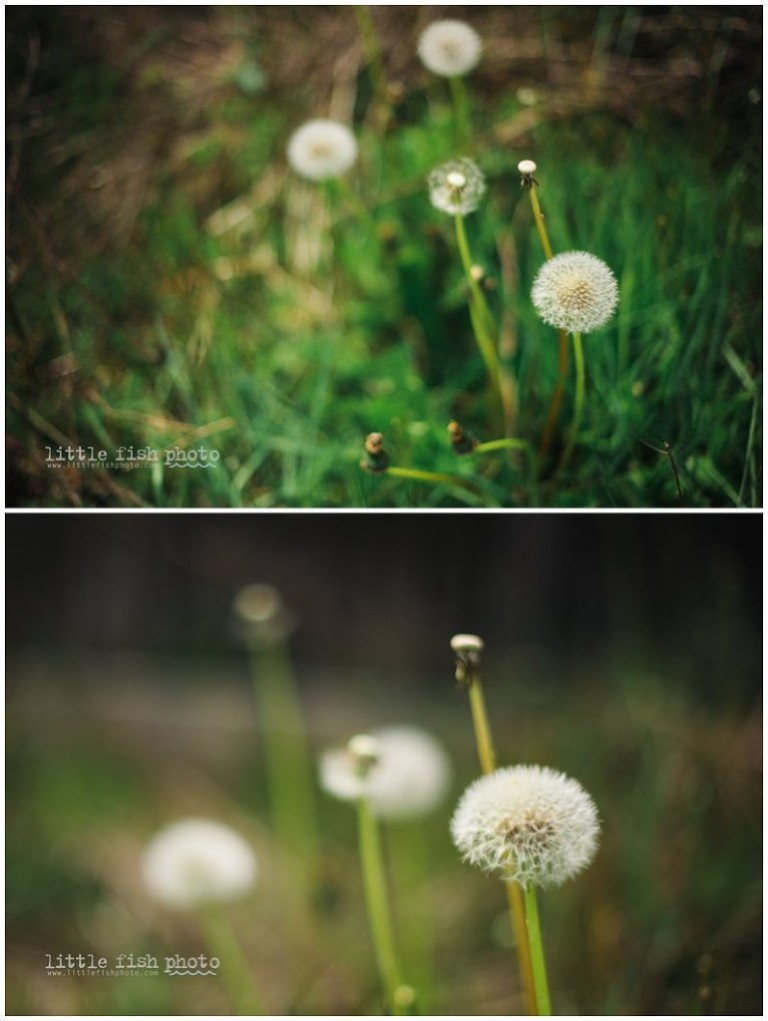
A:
(277, 322)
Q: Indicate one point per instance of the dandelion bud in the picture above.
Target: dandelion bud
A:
(575, 291)
(529, 824)
(468, 649)
(197, 861)
(456, 187)
(376, 458)
(450, 48)
(322, 149)
(461, 441)
(526, 167)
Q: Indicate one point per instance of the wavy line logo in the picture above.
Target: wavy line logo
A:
(189, 967)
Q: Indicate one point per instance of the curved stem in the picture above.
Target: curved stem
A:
(537, 953)
(578, 407)
(483, 325)
(436, 478)
(376, 903)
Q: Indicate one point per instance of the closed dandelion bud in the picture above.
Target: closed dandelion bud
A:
(401, 770)
(461, 441)
(322, 149)
(261, 616)
(529, 824)
(194, 862)
(469, 650)
(450, 48)
(575, 291)
(376, 458)
(456, 187)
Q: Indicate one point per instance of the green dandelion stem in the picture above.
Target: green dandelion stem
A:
(434, 478)
(234, 969)
(487, 756)
(578, 406)
(557, 396)
(483, 325)
(377, 905)
(538, 217)
(288, 762)
(463, 123)
(372, 52)
(543, 1007)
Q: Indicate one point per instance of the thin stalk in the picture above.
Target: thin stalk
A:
(487, 756)
(234, 969)
(538, 217)
(462, 122)
(435, 478)
(483, 326)
(376, 902)
(578, 407)
(557, 396)
(372, 52)
(288, 762)
(537, 953)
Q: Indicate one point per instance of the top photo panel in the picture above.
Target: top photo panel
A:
(384, 257)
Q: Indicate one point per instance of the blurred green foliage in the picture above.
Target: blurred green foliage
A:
(173, 283)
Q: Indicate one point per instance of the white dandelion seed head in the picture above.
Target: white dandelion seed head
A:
(197, 861)
(575, 291)
(450, 48)
(529, 824)
(456, 187)
(321, 149)
(409, 777)
(526, 167)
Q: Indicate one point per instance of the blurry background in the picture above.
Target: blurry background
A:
(622, 650)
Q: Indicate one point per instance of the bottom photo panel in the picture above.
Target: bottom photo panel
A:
(368, 764)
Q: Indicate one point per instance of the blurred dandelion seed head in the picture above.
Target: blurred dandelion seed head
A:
(526, 167)
(467, 643)
(197, 861)
(261, 616)
(410, 776)
(575, 291)
(450, 48)
(529, 824)
(456, 187)
(322, 149)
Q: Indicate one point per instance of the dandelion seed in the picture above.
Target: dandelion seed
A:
(456, 187)
(530, 824)
(575, 291)
(322, 149)
(450, 48)
(195, 861)
(406, 772)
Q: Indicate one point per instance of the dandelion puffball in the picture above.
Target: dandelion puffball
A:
(575, 291)
(321, 149)
(456, 187)
(195, 861)
(530, 824)
(450, 48)
(407, 773)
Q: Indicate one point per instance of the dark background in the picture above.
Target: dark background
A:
(390, 590)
